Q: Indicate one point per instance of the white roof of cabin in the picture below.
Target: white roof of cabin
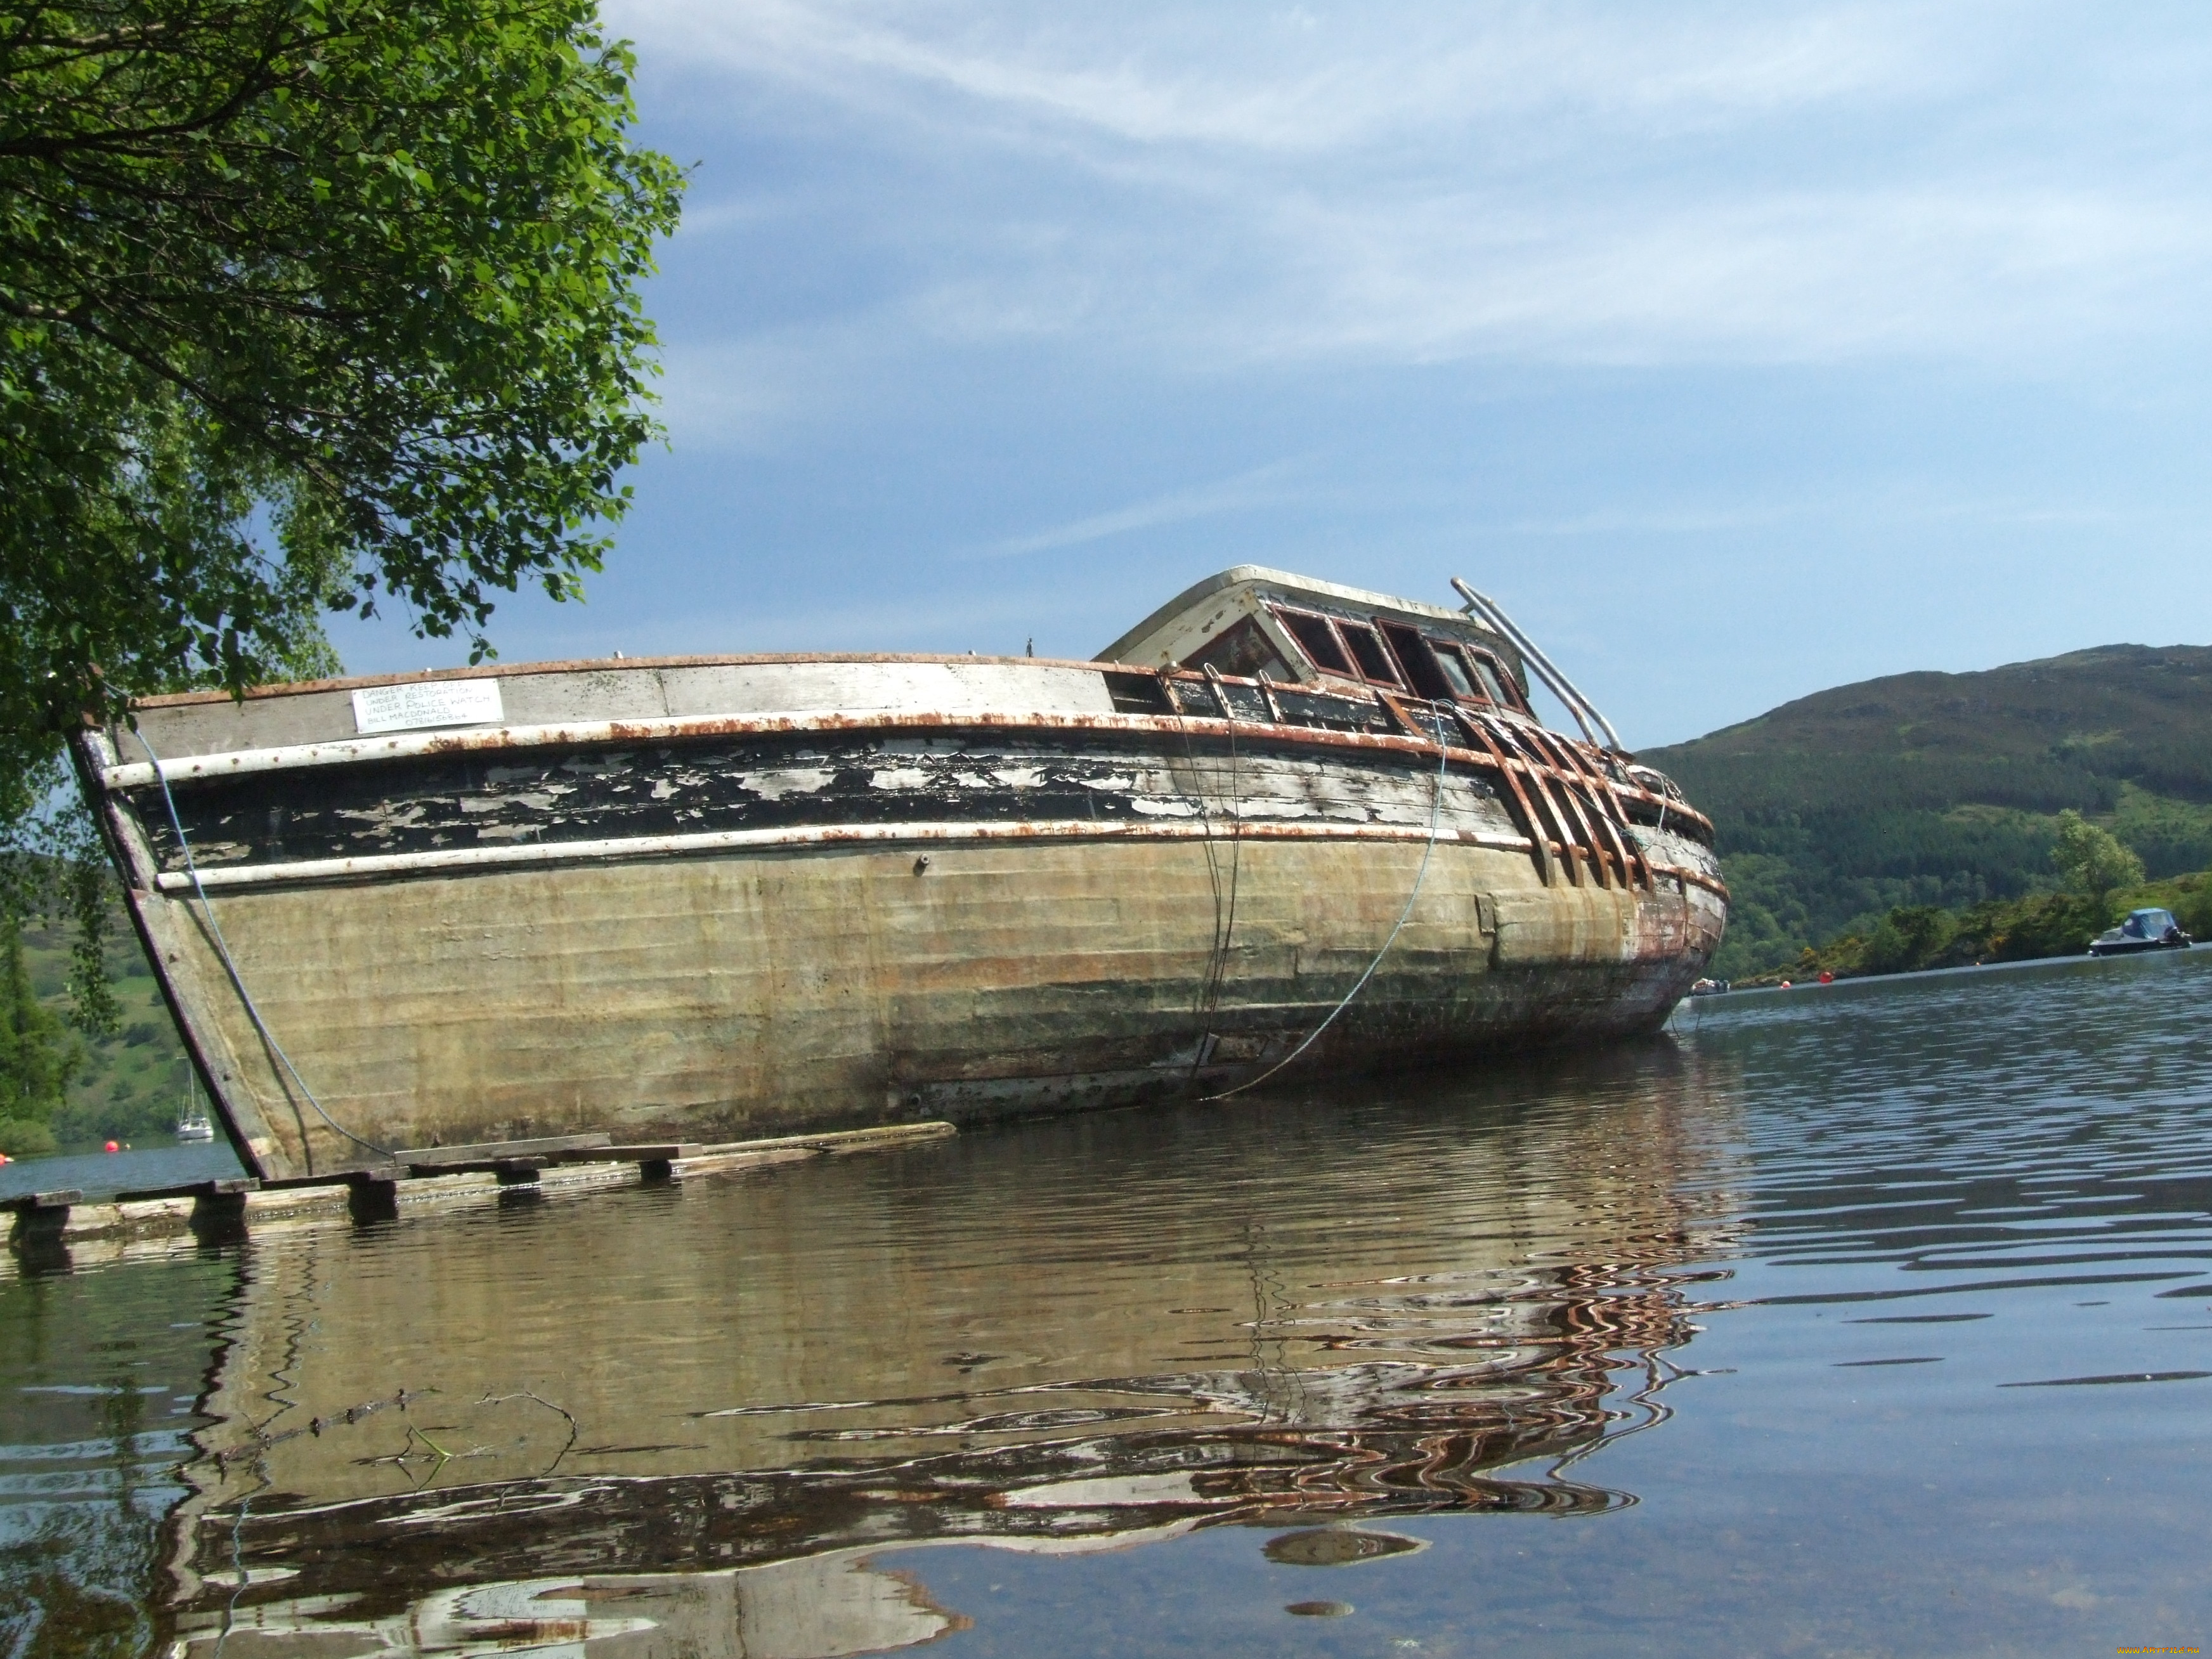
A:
(1143, 642)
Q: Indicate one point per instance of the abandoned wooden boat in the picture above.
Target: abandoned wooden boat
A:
(700, 898)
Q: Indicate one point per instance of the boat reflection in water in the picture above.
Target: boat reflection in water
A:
(699, 1420)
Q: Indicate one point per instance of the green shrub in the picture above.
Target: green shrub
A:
(1909, 938)
(2049, 925)
(23, 1137)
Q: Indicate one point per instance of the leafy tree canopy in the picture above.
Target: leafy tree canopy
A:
(303, 304)
(37, 1057)
(2092, 859)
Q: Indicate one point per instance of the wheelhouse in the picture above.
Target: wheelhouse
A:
(1256, 624)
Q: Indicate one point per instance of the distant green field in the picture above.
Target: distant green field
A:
(1944, 789)
(132, 1085)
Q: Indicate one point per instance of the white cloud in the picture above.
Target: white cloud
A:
(1260, 487)
(1297, 81)
(1246, 184)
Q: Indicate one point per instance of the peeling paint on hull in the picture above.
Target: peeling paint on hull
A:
(978, 920)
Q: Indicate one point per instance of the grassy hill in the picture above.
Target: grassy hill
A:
(1942, 789)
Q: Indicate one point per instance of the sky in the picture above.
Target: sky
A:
(1739, 350)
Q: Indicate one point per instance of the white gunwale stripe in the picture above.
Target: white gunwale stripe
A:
(405, 746)
(441, 860)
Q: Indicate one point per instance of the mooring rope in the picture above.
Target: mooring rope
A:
(1216, 952)
(1435, 818)
(222, 950)
(1216, 970)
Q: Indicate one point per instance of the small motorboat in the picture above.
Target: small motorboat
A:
(2144, 930)
(1710, 987)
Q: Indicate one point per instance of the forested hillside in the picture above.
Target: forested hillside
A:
(1944, 789)
(131, 1086)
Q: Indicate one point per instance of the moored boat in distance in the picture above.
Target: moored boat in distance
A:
(2149, 929)
(193, 1123)
(1281, 821)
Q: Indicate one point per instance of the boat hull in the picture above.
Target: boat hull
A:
(715, 935)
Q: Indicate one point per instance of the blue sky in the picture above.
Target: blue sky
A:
(1740, 350)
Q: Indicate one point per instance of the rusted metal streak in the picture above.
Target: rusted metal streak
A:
(1610, 852)
(461, 858)
(1605, 791)
(1531, 823)
(1586, 788)
(1541, 778)
(1635, 870)
(1667, 808)
(1557, 775)
(1600, 787)
(140, 775)
(1696, 878)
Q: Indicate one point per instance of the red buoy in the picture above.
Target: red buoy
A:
(112, 1147)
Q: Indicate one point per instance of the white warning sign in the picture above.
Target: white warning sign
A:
(426, 704)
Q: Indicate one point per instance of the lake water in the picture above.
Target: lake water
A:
(102, 1175)
(1868, 1320)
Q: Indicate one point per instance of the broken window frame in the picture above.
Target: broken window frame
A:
(1490, 685)
(1416, 656)
(1309, 628)
(1234, 662)
(1466, 688)
(1301, 626)
(1354, 635)
(1488, 668)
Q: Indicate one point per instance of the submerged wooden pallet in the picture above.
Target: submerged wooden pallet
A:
(416, 1177)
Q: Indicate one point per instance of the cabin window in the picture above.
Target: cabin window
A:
(1367, 651)
(1456, 670)
(1417, 662)
(1497, 683)
(1318, 639)
(1137, 694)
(1244, 651)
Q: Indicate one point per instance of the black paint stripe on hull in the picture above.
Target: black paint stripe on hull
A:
(799, 783)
